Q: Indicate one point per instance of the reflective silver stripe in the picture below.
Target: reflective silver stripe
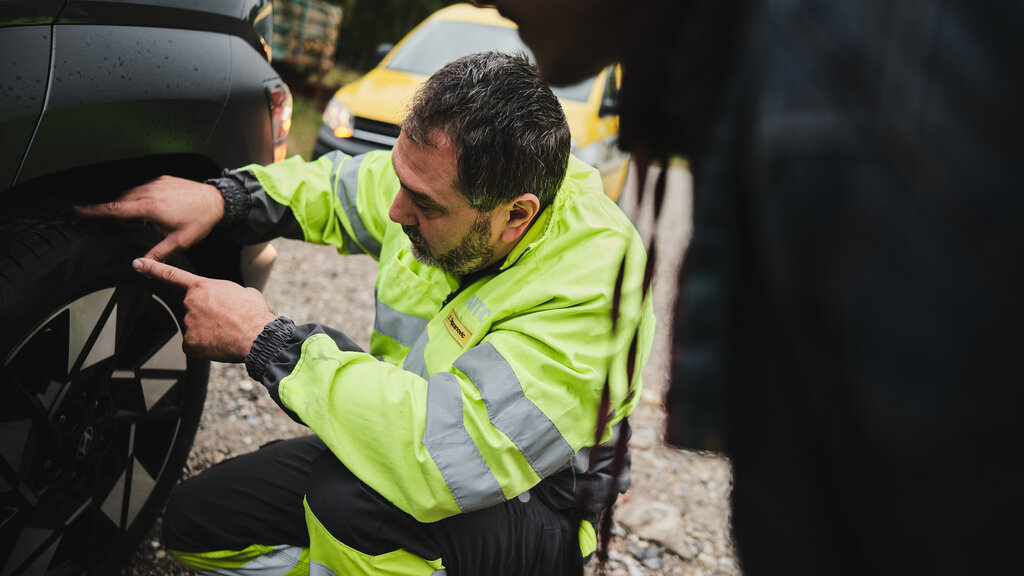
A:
(344, 183)
(352, 245)
(453, 450)
(581, 460)
(512, 412)
(415, 362)
(318, 569)
(403, 328)
(280, 560)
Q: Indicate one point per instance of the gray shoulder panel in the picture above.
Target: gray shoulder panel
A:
(345, 186)
(403, 328)
(415, 361)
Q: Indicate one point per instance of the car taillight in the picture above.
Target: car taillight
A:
(280, 119)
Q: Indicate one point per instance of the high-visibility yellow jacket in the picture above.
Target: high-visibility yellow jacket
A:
(470, 394)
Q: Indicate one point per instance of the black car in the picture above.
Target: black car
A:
(98, 404)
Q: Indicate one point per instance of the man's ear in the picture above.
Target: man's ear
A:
(519, 215)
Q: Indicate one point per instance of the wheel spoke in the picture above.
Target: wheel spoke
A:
(33, 551)
(13, 446)
(149, 337)
(89, 421)
(154, 389)
(92, 330)
(133, 331)
(30, 403)
(114, 502)
(131, 417)
(39, 537)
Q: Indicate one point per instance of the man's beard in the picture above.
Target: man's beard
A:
(472, 253)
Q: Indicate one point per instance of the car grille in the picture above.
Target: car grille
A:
(376, 127)
(375, 132)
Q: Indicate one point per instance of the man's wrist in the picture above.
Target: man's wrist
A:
(267, 345)
(236, 198)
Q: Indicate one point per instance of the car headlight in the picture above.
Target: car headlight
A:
(338, 118)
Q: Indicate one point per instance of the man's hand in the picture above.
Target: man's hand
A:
(182, 210)
(222, 319)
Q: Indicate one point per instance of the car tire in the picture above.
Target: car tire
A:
(98, 404)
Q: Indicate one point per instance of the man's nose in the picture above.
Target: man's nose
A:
(400, 212)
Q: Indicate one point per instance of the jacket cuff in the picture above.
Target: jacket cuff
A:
(267, 345)
(236, 197)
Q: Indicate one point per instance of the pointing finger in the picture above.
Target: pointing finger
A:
(164, 249)
(165, 273)
(122, 209)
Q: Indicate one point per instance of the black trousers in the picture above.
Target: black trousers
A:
(257, 498)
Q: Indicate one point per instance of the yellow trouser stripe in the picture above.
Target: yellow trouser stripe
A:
(255, 559)
(330, 553)
(588, 538)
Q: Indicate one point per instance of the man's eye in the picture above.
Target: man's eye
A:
(427, 208)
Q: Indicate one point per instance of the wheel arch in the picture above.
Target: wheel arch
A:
(51, 197)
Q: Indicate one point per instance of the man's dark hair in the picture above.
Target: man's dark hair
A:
(507, 128)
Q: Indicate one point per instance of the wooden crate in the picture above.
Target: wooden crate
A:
(306, 33)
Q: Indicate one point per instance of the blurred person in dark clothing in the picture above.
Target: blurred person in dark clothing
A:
(850, 307)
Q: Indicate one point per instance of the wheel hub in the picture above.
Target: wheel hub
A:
(85, 443)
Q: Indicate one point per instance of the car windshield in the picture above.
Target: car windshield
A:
(442, 41)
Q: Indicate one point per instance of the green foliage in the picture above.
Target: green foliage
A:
(369, 23)
(305, 122)
(339, 76)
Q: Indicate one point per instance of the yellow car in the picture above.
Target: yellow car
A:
(365, 114)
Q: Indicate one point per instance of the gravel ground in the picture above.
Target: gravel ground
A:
(674, 519)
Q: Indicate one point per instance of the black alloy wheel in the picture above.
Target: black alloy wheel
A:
(98, 404)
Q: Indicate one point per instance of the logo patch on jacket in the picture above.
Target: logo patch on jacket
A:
(457, 329)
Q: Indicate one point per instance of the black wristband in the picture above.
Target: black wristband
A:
(236, 198)
(267, 345)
